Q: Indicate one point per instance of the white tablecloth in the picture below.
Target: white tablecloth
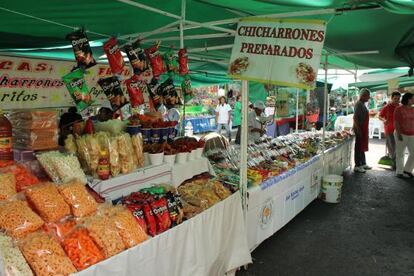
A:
(212, 243)
(125, 184)
(273, 205)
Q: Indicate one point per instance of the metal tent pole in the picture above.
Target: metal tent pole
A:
(243, 145)
(297, 110)
(183, 7)
(325, 105)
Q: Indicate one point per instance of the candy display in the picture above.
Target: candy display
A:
(114, 55)
(80, 201)
(61, 167)
(7, 185)
(81, 49)
(112, 89)
(81, 249)
(47, 202)
(12, 259)
(17, 219)
(45, 256)
(76, 85)
(35, 129)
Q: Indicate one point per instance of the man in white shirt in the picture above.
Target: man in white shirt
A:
(256, 129)
(223, 116)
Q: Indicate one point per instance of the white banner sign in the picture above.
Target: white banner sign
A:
(284, 52)
(37, 83)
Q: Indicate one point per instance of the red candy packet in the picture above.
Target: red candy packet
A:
(114, 55)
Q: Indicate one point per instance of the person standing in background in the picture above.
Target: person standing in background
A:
(387, 116)
(256, 129)
(223, 116)
(237, 118)
(404, 136)
(361, 125)
(66, 123)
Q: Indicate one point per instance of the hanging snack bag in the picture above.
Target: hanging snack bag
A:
(156, 60)
(186, 88)
(137, 57)
(135, 89)
(162, 216)
(82, 49)
(114, 55)
(171, 61)
(112, 88)
(168, 92)
(76, 84)
(183, 61)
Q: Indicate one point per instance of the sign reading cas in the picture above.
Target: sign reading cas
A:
(283, 52)
(37, 83)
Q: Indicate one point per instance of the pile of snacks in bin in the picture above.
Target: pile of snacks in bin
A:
(58, 230)
(124, 153)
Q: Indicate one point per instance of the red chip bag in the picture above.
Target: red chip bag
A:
(156, 60)
(162, 216)
(134, 88)
(138, 213)
(114, 55)
(183, 61)
(150, 219)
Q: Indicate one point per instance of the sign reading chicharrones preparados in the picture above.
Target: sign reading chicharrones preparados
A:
(284, 52)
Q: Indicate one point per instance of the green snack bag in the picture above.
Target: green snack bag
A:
(171, 62)
(76, 85)
(186, 88)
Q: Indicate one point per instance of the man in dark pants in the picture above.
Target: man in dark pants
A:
(361, 125)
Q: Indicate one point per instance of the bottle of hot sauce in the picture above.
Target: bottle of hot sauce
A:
(103, 166)
(6, 144)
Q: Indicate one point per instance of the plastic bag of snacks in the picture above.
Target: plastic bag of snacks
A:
(168, 92)
(114, 161)
(47, 202)
(137, 90)
(114, 55)
(94, 151)
(75, 194)
(60, 229)
(17, 219)
(186, 88)
(104, 233)
(125, 153)
(70, 145)
(23, 177)
(112, 89)
(45, 256)
(129, 230)
(156, 61)
(81, 249)
(170, 61)
(162, 216)
(137, 57)
(138, 146)
(76, 85)
(183, 61)
(13, 261)
(7, 185)
(81, 49)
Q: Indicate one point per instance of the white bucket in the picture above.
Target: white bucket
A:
(156, 159)
(182, 157)
(332, 188)
(169, 159)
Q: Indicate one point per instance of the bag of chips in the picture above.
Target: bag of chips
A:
(156, 61)
(186, 88)
(150, 219)
(76, 84)
(137, 57)
(45, 255)
(11, 259)
(80, 201)
(7, 185)
(112, 89)
(137, 212)
(17, 219)
(81, 48)
(61, 228)
(162, 216)
(171, 61)
(114, 55)
(137, 91)
(47, 202)
(183, 61)
(168, 92)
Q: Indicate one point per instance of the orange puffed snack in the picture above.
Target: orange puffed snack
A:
(17, 219)
(60, 229)
(45, 255)
(81, 249)
(128, 228)
(80, 201)
(7, 185)
(104, 233)
(47, 202)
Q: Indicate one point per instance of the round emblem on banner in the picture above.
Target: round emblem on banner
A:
(266, 214)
